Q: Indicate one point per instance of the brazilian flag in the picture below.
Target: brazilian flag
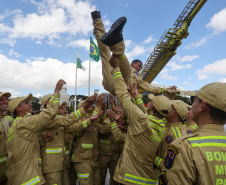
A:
(94, 51)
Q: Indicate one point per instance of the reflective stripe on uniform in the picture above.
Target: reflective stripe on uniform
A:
(32, 181)
(82, 175)
(54, 150)
(208, 141)
(176, 132)
(162, 122)
(116, 75)
(78, 114)
(3, 159)
(94, 113)
(39, 161)
(138, 101)
(122, 58)
(87, 145)
(194, 126)
(158, 160)
(67, 152)
(113, 126)
(73, 156)
(160, 90)
(104, 141)
(138, 180)
(84, 123)
(8, 117)
(57, 100)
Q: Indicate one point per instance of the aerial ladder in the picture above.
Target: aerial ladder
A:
(170, 41)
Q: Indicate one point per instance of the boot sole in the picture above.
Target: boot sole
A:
(117, 25)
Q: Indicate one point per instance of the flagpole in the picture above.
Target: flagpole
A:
(89, 71)
(76, 82)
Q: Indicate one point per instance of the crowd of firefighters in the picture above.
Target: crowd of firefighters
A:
(156, 144)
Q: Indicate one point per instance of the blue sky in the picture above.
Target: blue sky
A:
(39, 41)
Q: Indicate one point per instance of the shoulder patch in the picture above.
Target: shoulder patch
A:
(170, 156)
(189, 132)
(169, 139)
(162, 178)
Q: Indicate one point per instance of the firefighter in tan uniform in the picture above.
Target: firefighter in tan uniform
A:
(174, 129)
(109, 151)
(189, 124)
(23, 145)
(200, 157)
(5, 123)
(53, 151)
(136, 165)
(86, 151)
(129, 72)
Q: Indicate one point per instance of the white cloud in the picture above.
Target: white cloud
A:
(223, 80)
(12, 52)
(175, 67)
(82, 43)
(196, 44)
(218, 22)
(188, 58)
(148, 40)
(128, 43)
(135, 52)
(42, 75)
(164, 75)
(218, 67)
(53, 20)
(10, 42)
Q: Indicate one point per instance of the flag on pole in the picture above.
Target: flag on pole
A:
(94, 51)
(79, 63)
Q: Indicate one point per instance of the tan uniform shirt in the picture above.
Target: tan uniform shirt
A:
(107, 144)
(191, 127)
(53, 152)
(86, 144)
(5, 123)
(142, 140)
(199, 158)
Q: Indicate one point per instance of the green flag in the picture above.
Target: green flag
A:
(94, 51)
(79, 63)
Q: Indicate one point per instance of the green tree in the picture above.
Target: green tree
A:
(36, 104)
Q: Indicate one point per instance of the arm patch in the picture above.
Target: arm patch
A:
(170, 156)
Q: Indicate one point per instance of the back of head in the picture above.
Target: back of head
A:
(162, 104)
(180, 107)
(215, 96)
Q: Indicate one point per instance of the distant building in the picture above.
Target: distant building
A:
(64, 97)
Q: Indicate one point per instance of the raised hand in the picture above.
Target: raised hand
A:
(110, 114)
(59, 85)
(114, 61)
(89, 101)
(133, 90)
(94, 117)
(100, 103)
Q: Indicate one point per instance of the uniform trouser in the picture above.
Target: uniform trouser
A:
(54, 178)
(3, 178)
(88, 173)
(66, 180)
(72, 175)
(108, 161)
(105, 55)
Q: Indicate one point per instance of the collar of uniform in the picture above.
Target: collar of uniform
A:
(178, 124)
(211, 127)
(189, 123)
(133, 70)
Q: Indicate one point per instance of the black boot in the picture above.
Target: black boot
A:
(95, 14)
(114, 36)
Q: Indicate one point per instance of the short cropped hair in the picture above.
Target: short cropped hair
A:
(136, 61)
(216, 114)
